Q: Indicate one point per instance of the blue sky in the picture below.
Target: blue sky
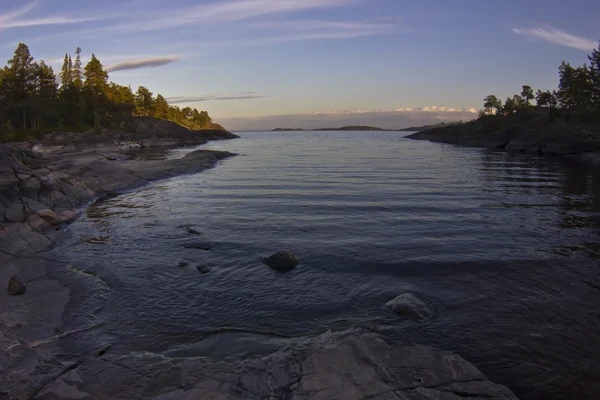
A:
(258, 64)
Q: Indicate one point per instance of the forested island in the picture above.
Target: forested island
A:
(564, 122)
(35, 100)
(352, 128)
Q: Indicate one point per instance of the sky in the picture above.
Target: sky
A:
(262, 64)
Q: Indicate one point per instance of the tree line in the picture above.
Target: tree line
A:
(33, 98)
(578, 90)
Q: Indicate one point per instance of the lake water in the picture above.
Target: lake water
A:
(505, 248)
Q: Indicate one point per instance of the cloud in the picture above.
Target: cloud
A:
(389, 119)
(196, 99)
(558, 37)
(11, 19)
(142, 63)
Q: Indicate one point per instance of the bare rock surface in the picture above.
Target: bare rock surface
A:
(349, 365)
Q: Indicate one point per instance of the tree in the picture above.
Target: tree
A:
(44, 101)
(77, 74)
(95, 88)
(491, 102)
(66, 73)
(143, 102)
(527, 94)
(594, 76)
(544, 99)
(510, 106)
(161, 107)
(575, 87)
(21, 80)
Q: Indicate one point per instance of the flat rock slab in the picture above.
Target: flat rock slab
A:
(350, 365)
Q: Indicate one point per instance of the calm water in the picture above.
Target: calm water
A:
(505, 248)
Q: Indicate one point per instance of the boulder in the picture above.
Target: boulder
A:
(410, 305)
(67, 216)
(16, 287)
(36, 222)
(282, 261)
(49, 216)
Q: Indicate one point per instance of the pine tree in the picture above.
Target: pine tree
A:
(161, 108)
(65, 73)
(595, 77)
(527, 94)
(21, 80)
(144, 102)
(95, 88)
(77, 73)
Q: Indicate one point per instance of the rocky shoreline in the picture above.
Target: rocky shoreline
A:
(43, 187)
(530, 131)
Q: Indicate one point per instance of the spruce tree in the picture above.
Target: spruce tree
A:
(77, 73)
(95, 88)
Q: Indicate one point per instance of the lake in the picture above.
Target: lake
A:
(505, 249)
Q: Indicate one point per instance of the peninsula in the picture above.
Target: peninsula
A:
(564, 122)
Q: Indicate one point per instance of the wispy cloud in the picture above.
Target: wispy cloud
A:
(196, 99)
(426, 109)
(12, 18)
(142, 63)
(558, 37)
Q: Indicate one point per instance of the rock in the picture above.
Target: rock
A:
(191, 230)
(49, 216)
(410, 305)
(15, 213)
(199, 245)
(67, 216)
(16, 287)
(282, 261)
(202, 269)
(36, 222)
(350, 365)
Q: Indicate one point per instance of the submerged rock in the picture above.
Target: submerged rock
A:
(16, 286)
(199, 245)
(191, 230)
(202, 269)
(183, 264)
(410, 305)
(282, 261)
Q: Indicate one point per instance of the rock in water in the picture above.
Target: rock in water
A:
(202, 269)
(16, 286)
(198, 245)
(192, 231)
(410, 305)
(282, 261)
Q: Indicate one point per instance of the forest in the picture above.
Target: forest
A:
(35, 100)
(577, 96)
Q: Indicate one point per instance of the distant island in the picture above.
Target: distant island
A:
(287, 129)
(430, 126)
(352, 128)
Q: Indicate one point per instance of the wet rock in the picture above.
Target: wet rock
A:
(282, 261)
(49, 216)
(16, 287)
(410, 305)
(199, 245)
(202, 269)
